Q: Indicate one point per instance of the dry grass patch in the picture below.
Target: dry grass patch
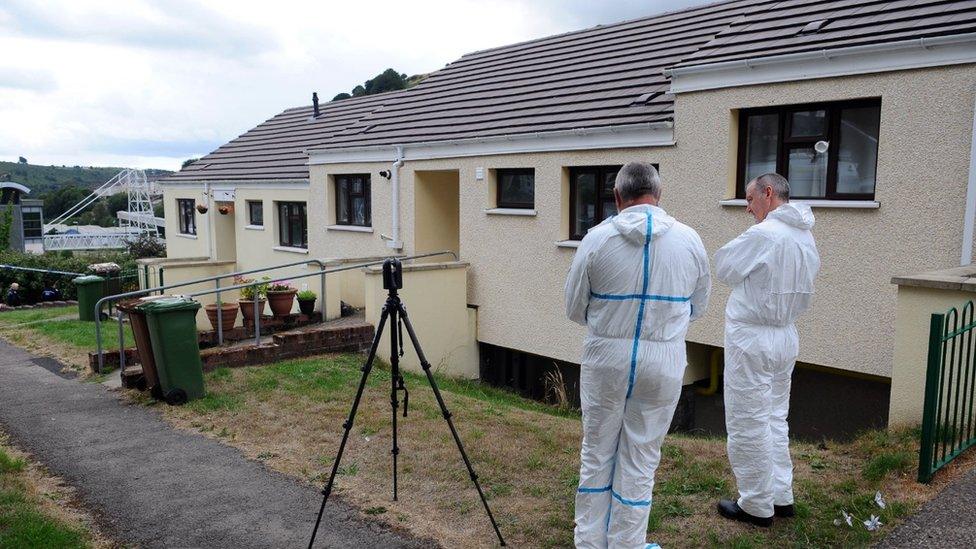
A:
(290, 414)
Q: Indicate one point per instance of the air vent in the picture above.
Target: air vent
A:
(813, 26)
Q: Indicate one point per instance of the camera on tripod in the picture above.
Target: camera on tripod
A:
(392, 274)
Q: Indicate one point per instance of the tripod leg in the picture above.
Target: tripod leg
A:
(352, 416)
(447, 416)
(394, 401)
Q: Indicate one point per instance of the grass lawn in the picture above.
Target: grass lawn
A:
(57, 332)
(29, 513)
(290, 414)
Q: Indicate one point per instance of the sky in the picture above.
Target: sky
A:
(149, 84)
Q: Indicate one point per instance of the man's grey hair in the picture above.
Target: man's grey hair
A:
(637, 179)
(775, 181)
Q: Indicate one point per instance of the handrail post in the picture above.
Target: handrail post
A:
(929, 412)
(121, 344)
(257, 316)
(220, 315)
(322, 291)
(98, 338)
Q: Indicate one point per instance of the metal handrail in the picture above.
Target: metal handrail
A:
(46, 271)
(217, 290)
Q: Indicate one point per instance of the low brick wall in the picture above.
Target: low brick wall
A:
(40, 305)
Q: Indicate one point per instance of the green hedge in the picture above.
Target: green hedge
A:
(32, 284)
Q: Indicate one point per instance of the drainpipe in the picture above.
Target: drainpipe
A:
(395, 242)
(970, 219)
(210, 209)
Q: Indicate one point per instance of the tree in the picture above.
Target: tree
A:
(388, 80)
(188, 161)
(21, 160)
(358, 91)
(341, 96)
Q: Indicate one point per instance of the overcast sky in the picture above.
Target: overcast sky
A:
(149, 84)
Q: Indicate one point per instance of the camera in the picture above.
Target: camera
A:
(392, 274)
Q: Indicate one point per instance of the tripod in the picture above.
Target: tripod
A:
(394, 312)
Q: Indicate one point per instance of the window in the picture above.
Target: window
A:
(785, 140)
(516, 188)
(352, 200)
(188, 223)
(590, 198)
(32, 223)
(255, 212)
(292, 225)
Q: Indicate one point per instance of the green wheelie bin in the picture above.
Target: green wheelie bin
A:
(91, 288)
(176, 352)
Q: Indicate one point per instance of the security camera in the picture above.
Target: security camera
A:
(386, 174)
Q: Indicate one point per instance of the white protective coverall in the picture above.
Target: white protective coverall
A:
(637, 280)
(771, 268)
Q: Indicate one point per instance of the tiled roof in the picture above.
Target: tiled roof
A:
(610, 75)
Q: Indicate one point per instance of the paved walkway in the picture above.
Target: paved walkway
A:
(949, 520)
(154, 486)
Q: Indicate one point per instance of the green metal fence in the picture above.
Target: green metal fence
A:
(948, 424)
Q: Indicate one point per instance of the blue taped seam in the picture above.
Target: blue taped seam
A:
(594, 490)
(650, 297)
(631, 502)
(640, 310)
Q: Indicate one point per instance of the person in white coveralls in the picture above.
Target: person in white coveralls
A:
(771, 268)
(636, 282)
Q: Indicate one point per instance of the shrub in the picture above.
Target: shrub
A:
(146, 245)
(247, 293)
(32, 284)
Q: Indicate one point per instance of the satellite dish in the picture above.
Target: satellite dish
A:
(821, 147)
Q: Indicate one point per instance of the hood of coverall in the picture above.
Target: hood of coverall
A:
(794, 215)
(632, 222)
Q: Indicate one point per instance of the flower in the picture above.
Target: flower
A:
(873, 523)
(879, 500)
(845, 519)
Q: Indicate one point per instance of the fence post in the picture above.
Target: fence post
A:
(220, 315)
(933, 373)
(322, 292)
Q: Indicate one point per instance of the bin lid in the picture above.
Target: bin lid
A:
(88, 279)
(168, 304)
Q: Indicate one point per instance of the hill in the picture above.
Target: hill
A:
(43, 179)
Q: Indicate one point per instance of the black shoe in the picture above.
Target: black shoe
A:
(784, 511)
(731, 510)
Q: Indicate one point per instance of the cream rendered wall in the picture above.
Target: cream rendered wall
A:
(436, 212)
(915, 307)
(434, 296)
(517, 271)
(178, 245)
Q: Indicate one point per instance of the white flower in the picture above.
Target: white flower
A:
(879, 500)
(848, 519)
(873, 523)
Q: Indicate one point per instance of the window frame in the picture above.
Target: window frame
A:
(39, 229)
(601, 172)
(499, 201)
(250, 212)
(187, 225)
(346, 181)
(785, 143)
(284, 223)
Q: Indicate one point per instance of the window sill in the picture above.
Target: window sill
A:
(526, 212)
(254, 227)
(568, 243)
(291, 250)
(838, 204)
(190, 236)
(349, 228)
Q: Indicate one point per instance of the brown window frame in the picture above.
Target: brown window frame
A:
(600, 171)
(345, 180)
(188, 223)
(500, 201)
(785, 143)
(250, 212)
(286, 218)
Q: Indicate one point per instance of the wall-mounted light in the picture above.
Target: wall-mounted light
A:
(386, 174)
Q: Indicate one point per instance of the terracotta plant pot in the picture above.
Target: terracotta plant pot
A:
(247, 309)
(281, 302)
(202, 209)
(307, 307)
(228, 312)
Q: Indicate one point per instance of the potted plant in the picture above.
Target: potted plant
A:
(249, 294)
(281, 297)
(228, 312)
(306, 302)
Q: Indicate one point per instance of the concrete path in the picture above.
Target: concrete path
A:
(154, 486)
(949, 520)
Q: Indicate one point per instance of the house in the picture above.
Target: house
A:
(507, 156)
(26, 217)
